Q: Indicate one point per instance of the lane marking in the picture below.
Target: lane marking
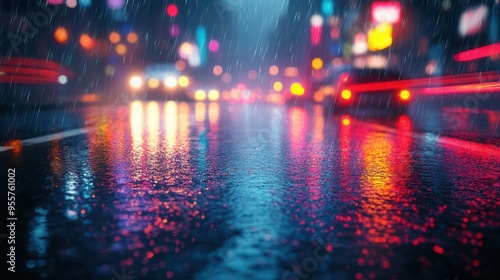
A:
(49, 138)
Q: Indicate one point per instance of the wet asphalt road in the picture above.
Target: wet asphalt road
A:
(158, 190)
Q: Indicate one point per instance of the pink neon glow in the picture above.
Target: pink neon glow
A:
(388, 12)
(481, 52)
(213, 46)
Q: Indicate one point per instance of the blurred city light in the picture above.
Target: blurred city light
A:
(71, 3)
(115, 4)
(291, 72)
(380, 37)
(180, 65)
(85, 3)
(172, 10)
(121, 49)
(61, 35)
(132, 38)
(317, 21)
(114, 37)
(213, 95)
(185, 50)
(201, 42)
(274, 70)
(86, 42)
(170, 82)
(213, 46)
(297, 89)
(183, 81)
(153, 83)
(174, 30)
(346, 94)
(316, 29)
(317, 63)
(200, 95)
(359, 46)
(473, 21)
(327, 8)
(377, 61)
(252, 75)
(386, 12)
(277, 86)
(486, 51)
(55, 2)
(217, 70)
(226, 78)
(63, 79)
(404, 94)
(136, 82)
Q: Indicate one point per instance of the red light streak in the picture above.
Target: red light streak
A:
(471, 82)
(31, 71)
(490, 50)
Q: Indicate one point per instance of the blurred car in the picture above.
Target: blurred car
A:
(368, 88)
(25, 81)
(160, 81)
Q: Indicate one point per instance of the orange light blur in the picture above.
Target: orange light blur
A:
(61, 35)
(132, 38)
(346, 121)
(404, 94)
(114, 37)
(86, 42)
(346, 94)
(121, 49)
(274, 70)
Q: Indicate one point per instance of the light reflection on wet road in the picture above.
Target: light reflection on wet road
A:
(217, 191)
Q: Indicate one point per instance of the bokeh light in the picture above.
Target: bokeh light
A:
(136, 82)
(291, 71)
(213, 46)
(153, 83)
(317, 21)
(226, 78)
(86, 42)
(217, 70)
(252, 75)
(85, 3)
(121, 49)
(213, 95)
(180, 65)
(115, 4)
(274, 70)
(174, 30)
(172, 10)
(297, 89)
(183, 81)
(114, 37)
(185, 49)
(132, 38)
(63, 79)
(71, 3)
(200, 95)
(170, 82)
(317, 63)
(277, 86)
(61, 35)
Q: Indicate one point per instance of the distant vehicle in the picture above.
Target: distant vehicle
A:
(160, 81)
(368, 88)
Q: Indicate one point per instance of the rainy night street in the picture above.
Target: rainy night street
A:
(195, 190)
(250, 139)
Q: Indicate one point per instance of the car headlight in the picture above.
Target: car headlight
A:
(136, 82)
